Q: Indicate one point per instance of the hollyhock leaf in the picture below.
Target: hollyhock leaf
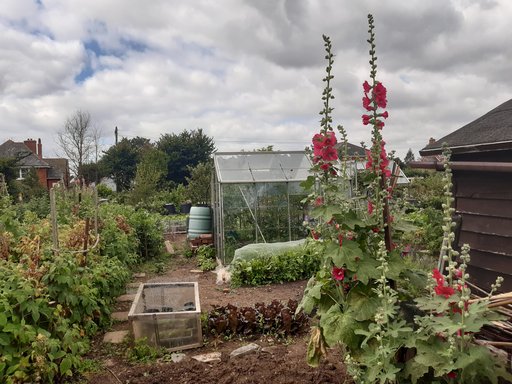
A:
(366, 269)
(350, 220)
(308, 183)
(339, 327)
(362, 302)
(345, 255)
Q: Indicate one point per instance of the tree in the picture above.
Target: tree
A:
(120, 161)
(409, 157)
(184, 150)
(151, 169)
(77, 139)
(199, 182)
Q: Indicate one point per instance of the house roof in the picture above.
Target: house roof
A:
(353, 150)
(492, 131)
(58, 168)
(14, 150)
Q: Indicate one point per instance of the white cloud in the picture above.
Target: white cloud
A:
(248, 72)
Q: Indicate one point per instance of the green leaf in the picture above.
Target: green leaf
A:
(350, 220)
(308, 183)
(362, 303)
(346, 255)
(65, 366)
(339, 327)
(366, 269)
(3, 319)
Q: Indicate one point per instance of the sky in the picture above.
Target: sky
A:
(248, 72)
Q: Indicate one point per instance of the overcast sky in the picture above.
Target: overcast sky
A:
(249, 73)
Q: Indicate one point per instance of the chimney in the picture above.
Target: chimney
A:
(31, 144)
(39, 149)
(431, 141)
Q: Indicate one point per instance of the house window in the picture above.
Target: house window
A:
(23, 172)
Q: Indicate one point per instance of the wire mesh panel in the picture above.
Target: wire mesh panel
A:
(167, 315)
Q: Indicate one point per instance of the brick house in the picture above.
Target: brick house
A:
(50, 171)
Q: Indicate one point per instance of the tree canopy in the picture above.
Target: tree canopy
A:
(184, 151)
(120, 161)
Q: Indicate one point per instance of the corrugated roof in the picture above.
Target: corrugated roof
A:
(490, 131)
(250, 167)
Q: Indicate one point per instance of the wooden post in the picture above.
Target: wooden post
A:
(53, 213)
(86, 242)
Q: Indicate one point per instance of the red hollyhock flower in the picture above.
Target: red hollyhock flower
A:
(370, 207)
(315, 234)
(318, 140)
(379, 95)
(319, 201)
(366, 119)
(438, 276)
(329, 139)
(379, 124)
(338, 273)
(329, 154)
(452, 375)
(385, 114)
(367, 103)
(443, 290)
(366, 86)
(325, 166)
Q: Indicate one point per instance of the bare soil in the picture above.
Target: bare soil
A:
(279, 361)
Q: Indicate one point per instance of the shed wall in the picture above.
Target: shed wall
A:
(484, 202)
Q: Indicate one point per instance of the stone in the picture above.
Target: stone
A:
(169, 247)
(249, 348)
(139, 275)
(132, 288)
(208, 357)
(115, 337)
(177, 357)
(126, 298)
(119, 316)
(196, 271)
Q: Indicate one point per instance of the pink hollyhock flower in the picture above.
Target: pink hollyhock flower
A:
(338, 273)
(329, 154)
(366, 119)
(366, 86)
(367, 103)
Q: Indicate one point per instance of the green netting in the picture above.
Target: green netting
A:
(252, 251)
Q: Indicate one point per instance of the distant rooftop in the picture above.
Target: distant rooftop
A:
(492, 131)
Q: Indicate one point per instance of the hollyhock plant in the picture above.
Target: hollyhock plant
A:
(395, 324)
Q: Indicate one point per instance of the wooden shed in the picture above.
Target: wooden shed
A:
(482, 175)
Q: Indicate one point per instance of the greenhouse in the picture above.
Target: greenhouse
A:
(256, 198)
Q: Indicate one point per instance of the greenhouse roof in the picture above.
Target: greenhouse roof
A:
(261, 167)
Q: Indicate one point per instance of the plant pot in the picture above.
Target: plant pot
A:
(185, 208)
(170, 209)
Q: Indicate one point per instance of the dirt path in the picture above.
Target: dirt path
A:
(278, 361)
